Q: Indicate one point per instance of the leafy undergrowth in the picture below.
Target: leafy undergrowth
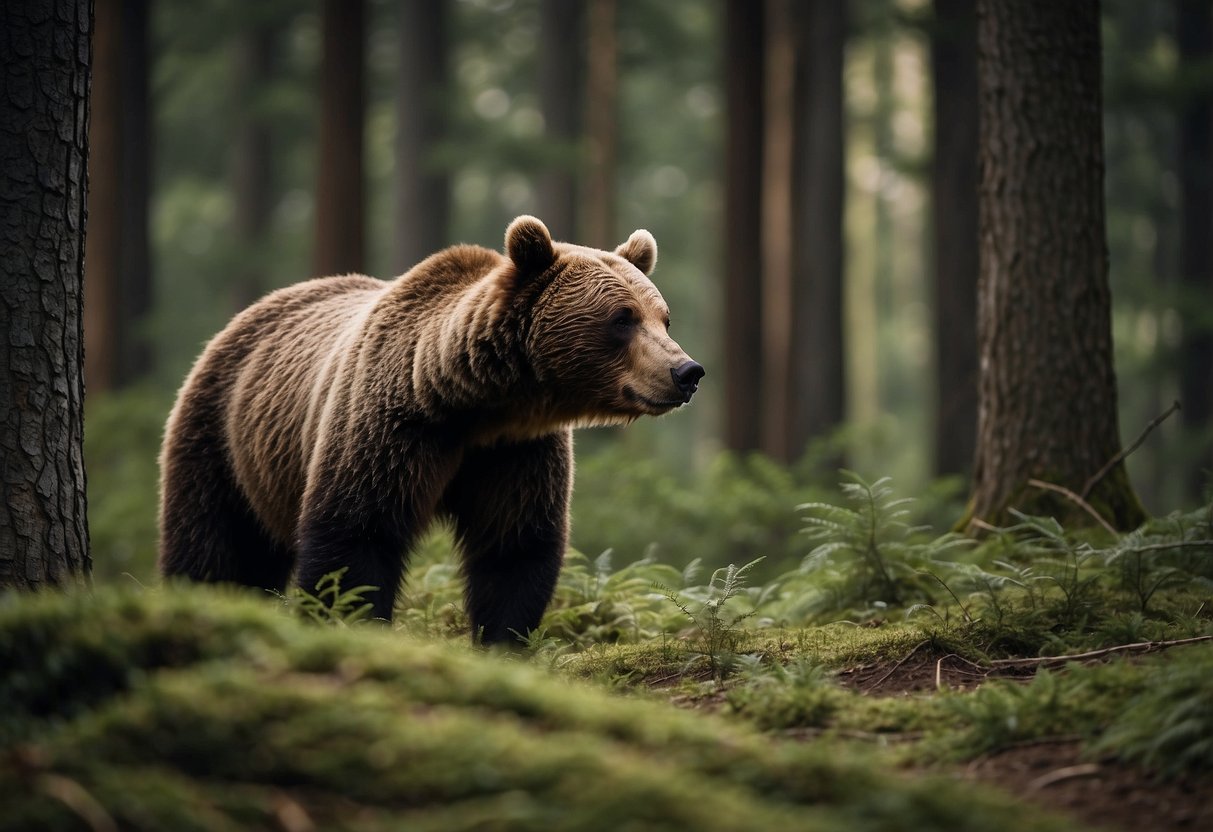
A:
(191, 709)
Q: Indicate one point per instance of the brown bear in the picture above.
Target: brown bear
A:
(332, 421)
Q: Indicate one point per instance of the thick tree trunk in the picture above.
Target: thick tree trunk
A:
(602, 124)
(561, 42)
(44, 98)
(1194, 21)
(1047, 392)
(744, 85)
(340, 243)
(117, 257)
(252, 160)
(954, 229)
(816, 359)
(423, 191)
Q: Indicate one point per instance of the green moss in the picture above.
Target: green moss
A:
(193, 709)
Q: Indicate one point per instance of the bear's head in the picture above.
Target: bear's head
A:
(598, 329)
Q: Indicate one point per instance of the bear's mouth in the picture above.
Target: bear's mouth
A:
(654, 405)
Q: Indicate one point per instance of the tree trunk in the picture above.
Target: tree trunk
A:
(561, 42)
(252, 160)
(423, 190)
(954, 229)
(1047, 391)
(816, 381)
(340, 191)
(602, 127)
(117, 256)
(1194, 21)
(778, 152)
(744, 85)
(44, 100)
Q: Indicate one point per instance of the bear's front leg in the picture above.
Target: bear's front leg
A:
(510, 505)
(364, 510)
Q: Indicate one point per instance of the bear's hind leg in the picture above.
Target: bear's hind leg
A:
(510, 506)
(208, 532)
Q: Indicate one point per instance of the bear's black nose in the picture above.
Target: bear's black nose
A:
(686, 378)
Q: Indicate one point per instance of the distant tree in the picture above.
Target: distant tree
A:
(44, 106)
(117, 256)
(423, 191)
(954, 231)
(602, 124)
(1194, 33)
(744, 85)
(561, 45)
(252, 157)
(340, 189)
(1047, 393)
(817, 400)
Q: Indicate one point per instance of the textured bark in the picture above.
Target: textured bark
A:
(1194, 34)
(1047, 392)
(954, 229)
(423, 191)
(340, 233)
(602, 124)
(743, 223)
(44, 87)
(816, 380)
(561, 41)
(252, 160)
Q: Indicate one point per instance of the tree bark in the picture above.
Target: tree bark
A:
(340, 233)
(1194, 33)
(954, 233)
(1047, 391)
(252, 160)
(744, 49)
(423, 190)
(817, 403)
(44, 103)
(602, 124)
(561, 42)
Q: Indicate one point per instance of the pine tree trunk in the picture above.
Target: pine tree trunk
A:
(743, 72)
(817, 402)
(561, 43)
(44, 99)
(1047, 392)
(602, 124)
(1194, 34)
(954, 228)
(423, 191)
(252, 160)
(340, 190)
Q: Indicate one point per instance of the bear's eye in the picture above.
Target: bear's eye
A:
(623, 320)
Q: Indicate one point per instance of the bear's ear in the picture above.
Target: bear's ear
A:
(640, 250)
(529, 245)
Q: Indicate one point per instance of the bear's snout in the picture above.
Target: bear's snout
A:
(686, 378)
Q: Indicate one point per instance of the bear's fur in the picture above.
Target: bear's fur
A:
(327, 425)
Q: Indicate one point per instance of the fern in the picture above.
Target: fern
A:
(330, 604)
(716, 627)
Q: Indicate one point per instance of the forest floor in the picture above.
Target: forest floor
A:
(1050, 772)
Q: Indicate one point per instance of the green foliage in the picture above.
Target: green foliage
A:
(122, 433)
(867, 557)
(1168, 726)
(197, 709)
(801, 693)
(330, 604)
(715, 635)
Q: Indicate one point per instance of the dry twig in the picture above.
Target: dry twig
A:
(1139, 647)
(1078, 501)
(1111, 463)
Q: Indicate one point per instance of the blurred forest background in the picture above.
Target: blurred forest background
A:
(238, 147)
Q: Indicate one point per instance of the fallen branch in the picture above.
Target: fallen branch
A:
(1078, 501)
(1061, 774)
(1111, 463)
(1139, 647)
